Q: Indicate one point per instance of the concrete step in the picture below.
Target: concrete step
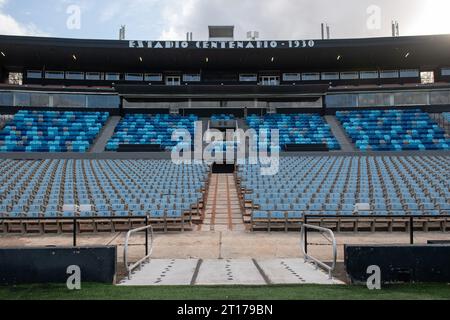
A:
(105, 134)
(162, 272)
(340, 134)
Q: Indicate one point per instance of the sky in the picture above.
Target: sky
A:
(171, 19)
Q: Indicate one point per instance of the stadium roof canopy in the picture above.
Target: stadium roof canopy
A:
(321, 55)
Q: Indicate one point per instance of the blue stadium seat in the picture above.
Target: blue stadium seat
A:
(51, 131)
(393, 130)
(150, 129)
(295, 129)
(332, 185)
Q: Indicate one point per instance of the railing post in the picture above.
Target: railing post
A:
(146, 236)
(411, 230)
(74, 232)
(306, 234)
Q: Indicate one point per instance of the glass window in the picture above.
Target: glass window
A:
(191, 77)
(427, 77)
(69, 100)
(270, 80)
(72, 75)
(291, 76)
(374, 99)
(103, 101)
(389, 74)
(93, 76)
(248, 78)
(330, 75)
(349, 75)
(411, 98)
(445, 72)
(310, 76)
(21, 99)
(157, 77)
(6, 99)
(15, 78)
(368, 74)
(173, 80)
(34, 74)
(342, 100)
(134, 76)
(440, 97)
(112, 76)
(54, 75)
(410, 73)
(39, 99)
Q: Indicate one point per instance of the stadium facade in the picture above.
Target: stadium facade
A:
(231, 76)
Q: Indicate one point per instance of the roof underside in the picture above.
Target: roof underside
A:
(110, 55)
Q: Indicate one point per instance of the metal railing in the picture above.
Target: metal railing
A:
(309, 258)
(148, 248)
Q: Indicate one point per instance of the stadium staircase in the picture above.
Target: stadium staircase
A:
(222, 211)
(168, 272)
(105, 134)
(339, 132)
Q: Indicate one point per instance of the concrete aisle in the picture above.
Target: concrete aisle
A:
(338, 131)
(223, 212)
(105, 134)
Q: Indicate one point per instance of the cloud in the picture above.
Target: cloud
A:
(290, 19)
(10, 26)
(111, 11)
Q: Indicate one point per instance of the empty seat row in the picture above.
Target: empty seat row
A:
(393, 130)
(330, 185)
(150, 129)
(107, 187)
(295, 129)
(51, 131)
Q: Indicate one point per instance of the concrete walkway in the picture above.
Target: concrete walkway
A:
(224, 245)
(105, 135)
(340, 134)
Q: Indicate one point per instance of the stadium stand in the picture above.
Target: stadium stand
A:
(50, 131)
(150, 129)
(222, 117)
(331, 186)
(167, 192)
(391, 130)
(296, 129)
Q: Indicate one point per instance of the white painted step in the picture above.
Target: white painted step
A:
(163, 272)
(294, 271)
(159, 272)
(229, 272)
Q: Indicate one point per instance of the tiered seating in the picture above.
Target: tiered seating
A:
(296, 129)
(51, 131)
(330, 186)
(161, 189)
(222, 117)
(150, 129)
(386, 130)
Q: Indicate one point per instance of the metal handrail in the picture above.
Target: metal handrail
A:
(148, 251)
(309, 258)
